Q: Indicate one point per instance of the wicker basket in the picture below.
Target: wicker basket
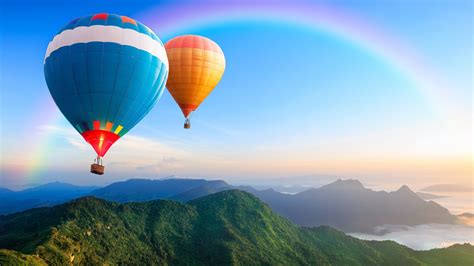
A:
(187, 124)
(97, 169)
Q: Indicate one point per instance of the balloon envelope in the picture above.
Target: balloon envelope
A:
(196, 66)
(105, 72)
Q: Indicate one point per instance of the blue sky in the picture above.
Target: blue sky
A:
(294, 101)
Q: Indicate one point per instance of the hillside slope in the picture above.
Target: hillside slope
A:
(230, 227)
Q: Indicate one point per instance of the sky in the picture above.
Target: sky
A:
(380, 91)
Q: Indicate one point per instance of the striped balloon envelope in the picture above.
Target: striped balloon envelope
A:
(196, 67)
(105, 72)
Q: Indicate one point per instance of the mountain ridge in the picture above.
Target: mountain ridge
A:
(148, 189)
(228, 227)
(344, 204)
(48, 194)
(350, 207)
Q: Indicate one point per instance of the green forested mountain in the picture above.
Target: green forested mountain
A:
(230, 227)
(344, 204)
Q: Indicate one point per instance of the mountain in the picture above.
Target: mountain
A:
(448, 188)
(229, 227)
(45, 195)
(4, 192)
(208, 188)
(344, 204)
(147, 189)
(348, 206)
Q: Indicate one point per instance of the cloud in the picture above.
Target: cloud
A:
(165, 163)
(66, 133)
(130, 153)
(142, 153)
(78, 143)
(423, 237)
(56, 130)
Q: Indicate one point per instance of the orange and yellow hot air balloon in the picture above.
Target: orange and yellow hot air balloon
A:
(196, 65)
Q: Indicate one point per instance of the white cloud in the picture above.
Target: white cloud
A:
(56, 130)
(130, 153)
(66, 133)
(423, 237)
(165, 163)
(78, 143)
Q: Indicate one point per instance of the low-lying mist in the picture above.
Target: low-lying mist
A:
(422, 237)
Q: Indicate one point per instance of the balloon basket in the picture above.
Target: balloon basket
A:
(97, 169)
(187, 124)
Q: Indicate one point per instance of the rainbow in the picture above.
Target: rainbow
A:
(38, 147)
(166, 20)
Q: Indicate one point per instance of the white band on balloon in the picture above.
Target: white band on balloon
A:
(114, 34)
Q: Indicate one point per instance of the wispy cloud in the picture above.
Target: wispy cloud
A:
(55, 130)
(130, 153)
(165, 163)
(66, 133)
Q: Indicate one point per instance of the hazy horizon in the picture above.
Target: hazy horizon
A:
(456, 202)
(289, 181)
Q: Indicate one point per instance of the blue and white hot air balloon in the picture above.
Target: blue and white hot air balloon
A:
(105, 72)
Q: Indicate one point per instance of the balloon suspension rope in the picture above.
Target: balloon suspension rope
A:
(98, 160)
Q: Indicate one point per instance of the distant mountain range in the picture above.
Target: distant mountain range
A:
(226, 228)
(348, 206)
(146, 189)
(41, 196)
(343, 204)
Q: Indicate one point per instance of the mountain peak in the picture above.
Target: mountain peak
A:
(350, 181)
(404, 188)
(406, 192)
(345, 184)
(85, 200)
(229, 196)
